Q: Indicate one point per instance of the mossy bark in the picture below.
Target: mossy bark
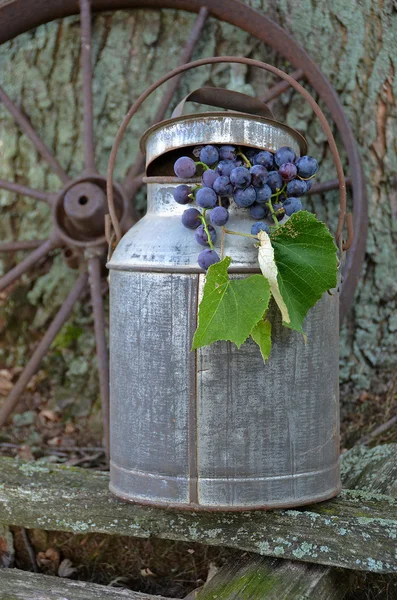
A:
(354, 43)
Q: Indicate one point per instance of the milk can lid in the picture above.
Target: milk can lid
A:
(247, 122)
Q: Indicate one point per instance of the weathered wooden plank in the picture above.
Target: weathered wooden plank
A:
(256, 578)
(371, 469)
(21, 585)
(357, 530)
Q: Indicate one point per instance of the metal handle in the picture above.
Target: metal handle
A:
(116, 237)
(225, 99)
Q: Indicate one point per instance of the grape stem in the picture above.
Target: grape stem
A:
(270, 205)
(205, 167)
(280, 191)
(245, 159)
(273, 212)
(307, 178)
(193, 190)
(223, 243)
(204, 222)
(249, 235)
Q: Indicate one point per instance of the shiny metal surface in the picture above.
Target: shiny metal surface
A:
(159, 241)
(219, 128)
(216, 428)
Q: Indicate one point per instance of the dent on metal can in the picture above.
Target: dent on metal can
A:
(215, 428)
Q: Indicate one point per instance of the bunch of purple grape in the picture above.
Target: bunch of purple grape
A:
(268, 184)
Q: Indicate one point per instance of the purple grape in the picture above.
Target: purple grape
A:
(258, 211)
(250, 153)
(238, 162)
(240, 177)
(185, 167)
(209, 155)
(288, 171)
(208, 178)
(244, 198)
(219, 216)
(274, 181)
(309, 184)
(259, 226)
(181, 194)
(307, 166)
(263, 194)
(201, 236)
(223, 187)
(206, 258)
(225, 167)
(285, 154)
(206, 197)
(227, 153)
(191, 218)
(296, 188)
(292, 205)
(266, 159)
(258, 175)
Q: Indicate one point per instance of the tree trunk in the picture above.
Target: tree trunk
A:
(354, 43)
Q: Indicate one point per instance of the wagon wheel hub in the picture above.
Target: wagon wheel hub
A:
(80, 209)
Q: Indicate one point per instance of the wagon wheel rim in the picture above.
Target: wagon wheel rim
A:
(69, 231)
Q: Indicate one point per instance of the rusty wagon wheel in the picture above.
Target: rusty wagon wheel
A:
(79, 207)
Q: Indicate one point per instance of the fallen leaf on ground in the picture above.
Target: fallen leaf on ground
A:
(66, 568)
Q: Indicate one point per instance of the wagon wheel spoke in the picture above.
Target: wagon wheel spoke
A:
(41, 350)
(23, 245)
(26, 191)
(276, 91)
(38, 143)
(28, 262)
(281, 87)
(133, 178)
(86, 73)
(326, 186)
(94, 273)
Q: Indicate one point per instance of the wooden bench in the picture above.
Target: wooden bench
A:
(356, 531)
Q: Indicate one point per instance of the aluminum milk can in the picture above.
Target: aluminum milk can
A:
(215, 428)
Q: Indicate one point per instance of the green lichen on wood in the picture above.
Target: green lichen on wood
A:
(251, 577)
(77, 500)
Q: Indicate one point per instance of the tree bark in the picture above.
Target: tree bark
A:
(354, 43)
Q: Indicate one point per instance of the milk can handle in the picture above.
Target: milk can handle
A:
(112, 218)
(225, 99)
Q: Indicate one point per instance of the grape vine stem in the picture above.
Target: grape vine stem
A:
(204, 222)
(201, 164)
(223, 243)
(245, 159)
(249, 235)
(273, 213)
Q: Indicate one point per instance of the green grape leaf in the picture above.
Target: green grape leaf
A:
(229, 308)
(261, 334)
(306, 263)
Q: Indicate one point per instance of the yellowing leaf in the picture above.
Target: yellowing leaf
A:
(270, 272)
